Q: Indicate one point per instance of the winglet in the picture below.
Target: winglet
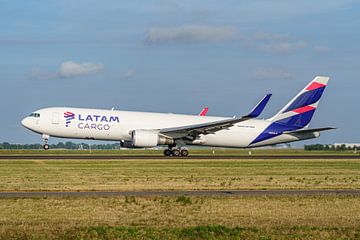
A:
(204, 111)
(257, 110)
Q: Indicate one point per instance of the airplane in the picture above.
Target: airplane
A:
(148, 129)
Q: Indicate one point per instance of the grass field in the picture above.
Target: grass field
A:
(277, 217)
(233, 217)
(179, 174)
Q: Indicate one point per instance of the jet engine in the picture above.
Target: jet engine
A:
(149, 138)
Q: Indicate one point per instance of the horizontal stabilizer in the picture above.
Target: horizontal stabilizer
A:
(257, 110)
(310, 130)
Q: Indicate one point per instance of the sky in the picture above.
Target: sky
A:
(178, 56)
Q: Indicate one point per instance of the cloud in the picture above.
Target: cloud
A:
(68, 69)
(190, 34)
(277, 43)
(283, 47)
(129, 74)
(37, 73)
(272, 73)
(71, 69)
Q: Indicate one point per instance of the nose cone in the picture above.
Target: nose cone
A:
(26, 122)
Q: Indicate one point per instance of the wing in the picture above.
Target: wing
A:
(191, 131)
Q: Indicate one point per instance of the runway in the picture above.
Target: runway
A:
(109, 157)
(39, 194)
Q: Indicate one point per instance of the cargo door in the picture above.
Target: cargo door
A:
(55, 118)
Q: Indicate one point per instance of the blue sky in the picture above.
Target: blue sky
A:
(178, 56)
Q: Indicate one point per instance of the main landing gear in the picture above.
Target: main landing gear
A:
(45, 140)
(176, 152)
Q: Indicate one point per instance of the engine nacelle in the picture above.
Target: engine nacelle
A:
(149, 138)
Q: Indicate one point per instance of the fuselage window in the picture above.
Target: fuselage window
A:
(35, 115)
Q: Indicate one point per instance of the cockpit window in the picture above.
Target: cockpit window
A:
(35, 115)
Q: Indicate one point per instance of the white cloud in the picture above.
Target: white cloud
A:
(68, 69)
(272, 73)
(71, 69)
(277, 43)
(129, 74)
(283, 47)
(190, 34)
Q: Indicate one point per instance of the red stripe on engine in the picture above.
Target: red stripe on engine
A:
(303, 109)
(315, 85)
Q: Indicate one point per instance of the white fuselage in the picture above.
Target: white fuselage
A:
(116, 125)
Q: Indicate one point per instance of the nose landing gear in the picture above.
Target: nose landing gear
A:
(45, 140)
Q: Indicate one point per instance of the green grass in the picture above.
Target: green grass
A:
(184, 200)
(239, 217)
(215, 232)
(180, 174)
(212, 232)
(182, 217)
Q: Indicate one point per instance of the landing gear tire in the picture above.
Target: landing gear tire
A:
(45, 138)
(176, 152)
(184, 152)
(173, 151)
(167, 152)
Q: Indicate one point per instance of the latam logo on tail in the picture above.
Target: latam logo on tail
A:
(68, 117)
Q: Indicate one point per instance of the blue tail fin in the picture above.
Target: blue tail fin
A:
(299, 111)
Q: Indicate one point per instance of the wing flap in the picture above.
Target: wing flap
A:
(203, 128)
